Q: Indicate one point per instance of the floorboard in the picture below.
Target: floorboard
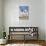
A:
(25, 43)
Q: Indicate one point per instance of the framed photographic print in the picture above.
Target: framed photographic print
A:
(24, 12)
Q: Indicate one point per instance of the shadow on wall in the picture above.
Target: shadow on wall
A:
(1, 34)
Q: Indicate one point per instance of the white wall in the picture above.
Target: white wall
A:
(0, 18)
(45, 19)
(36, 15)
(0, 13)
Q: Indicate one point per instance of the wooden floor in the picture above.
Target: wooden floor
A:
(40, 42)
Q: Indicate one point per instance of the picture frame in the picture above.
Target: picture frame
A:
(24, 12)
